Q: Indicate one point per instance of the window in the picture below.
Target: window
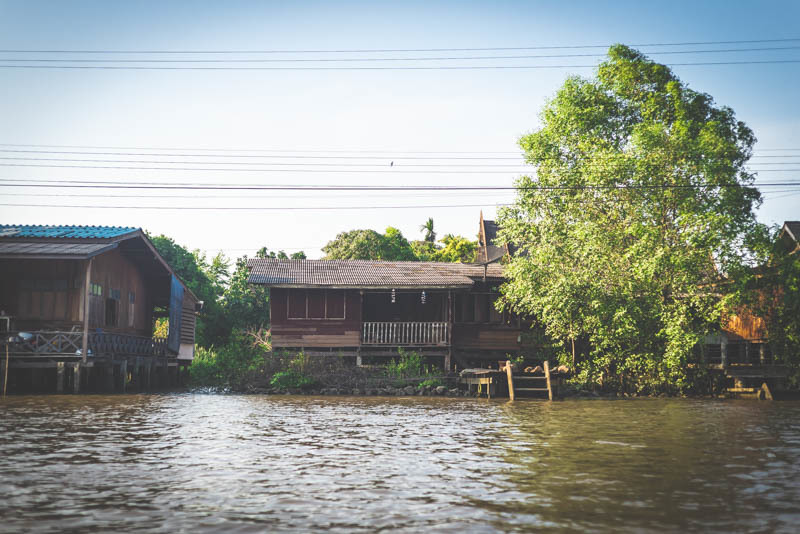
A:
(297, 304)
(477, 308)
(96, 290)
(316, 304)
(334, 303)
(112, 307)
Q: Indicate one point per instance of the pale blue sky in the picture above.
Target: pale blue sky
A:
(391, 111)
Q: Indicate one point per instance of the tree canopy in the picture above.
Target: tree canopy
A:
(639, 206)
(369, 245)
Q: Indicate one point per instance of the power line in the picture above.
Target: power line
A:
(273, 156)
(437, 67)
(295, 187)
(384, 50)
(380, 59)
(389, 170)
(388, 151)
(255, 208)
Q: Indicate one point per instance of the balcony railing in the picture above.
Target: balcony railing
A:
(405, 333)
(49, 343)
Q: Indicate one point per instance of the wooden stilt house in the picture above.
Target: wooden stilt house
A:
(369, 309)
(78, 306)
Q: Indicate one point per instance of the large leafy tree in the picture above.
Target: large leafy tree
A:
(369, 245)
(640, 204)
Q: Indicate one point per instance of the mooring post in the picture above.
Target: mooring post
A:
(76, 377)
(60, 377)
(510, 380)
(547, 375)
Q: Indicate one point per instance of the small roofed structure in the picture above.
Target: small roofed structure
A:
(369, 309)
(79, 304)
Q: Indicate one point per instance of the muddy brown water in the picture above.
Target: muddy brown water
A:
(227, 463)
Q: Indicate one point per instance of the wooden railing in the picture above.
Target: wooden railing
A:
(100, 344)
(411, 333)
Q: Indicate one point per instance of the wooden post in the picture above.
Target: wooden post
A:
(123, 370)
(510, 376)
(547, 375)
(723, 352)
(147, 370)
(5, 372)
(60, 377)
(110, 386)
(76, 377)
(86, 298)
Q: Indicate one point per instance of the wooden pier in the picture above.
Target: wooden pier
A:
(503, 381)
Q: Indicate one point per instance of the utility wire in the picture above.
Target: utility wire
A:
(437, 67)
(382, 50)
(305, 151)
(379, 59)
(294, 170)
(273, 156)
(158, 185)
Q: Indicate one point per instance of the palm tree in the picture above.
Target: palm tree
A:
(430, 235)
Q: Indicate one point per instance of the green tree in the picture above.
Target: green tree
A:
(457, 249)
(430, 235)
(369, 245)
(640, 203)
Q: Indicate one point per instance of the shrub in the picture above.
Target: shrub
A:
(291, 380)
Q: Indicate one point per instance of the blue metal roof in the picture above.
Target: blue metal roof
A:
(70, 232)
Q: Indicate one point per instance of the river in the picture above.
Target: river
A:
(229, 463)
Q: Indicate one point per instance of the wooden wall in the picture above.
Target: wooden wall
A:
(114, 271)
(486, 337)
(42, 293)
(188, 319)
(315, 333)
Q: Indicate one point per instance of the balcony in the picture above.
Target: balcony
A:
(51, 343)
(412, 334)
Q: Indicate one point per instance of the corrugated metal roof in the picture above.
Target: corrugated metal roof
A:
(27, 248)
(364, 273)
(69, 232)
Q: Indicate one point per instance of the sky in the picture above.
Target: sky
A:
(328, 126)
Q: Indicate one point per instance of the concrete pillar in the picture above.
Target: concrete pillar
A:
(447, 360)
(109, 378)
(762, 353)
(60, 377)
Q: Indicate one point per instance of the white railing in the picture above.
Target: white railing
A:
(395, 333)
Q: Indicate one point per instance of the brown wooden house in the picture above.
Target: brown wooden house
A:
(82, 301)
(369, 309)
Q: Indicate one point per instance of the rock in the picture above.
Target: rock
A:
(453, 392)
(440, 390)
(356, 391)
(409, 390)
(562, 370)
(537, 370)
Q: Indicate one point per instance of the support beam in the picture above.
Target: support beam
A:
(123, 370)
(86, 299)
(60, 377)
(76, 377)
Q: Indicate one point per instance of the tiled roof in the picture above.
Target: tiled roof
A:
(367, 274)
(68, 232)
